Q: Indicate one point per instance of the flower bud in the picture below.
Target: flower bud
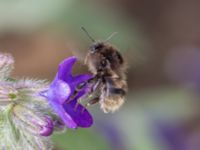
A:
(32, 121)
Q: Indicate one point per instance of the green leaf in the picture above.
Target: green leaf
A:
(81, 139)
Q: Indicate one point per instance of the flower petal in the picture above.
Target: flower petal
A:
(78, 80)
(81, 78)
(65, 69)
(79, 114)
(61, 91)
(66, 118)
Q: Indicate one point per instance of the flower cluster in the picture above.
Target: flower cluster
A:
(31, 109)
(24, 118)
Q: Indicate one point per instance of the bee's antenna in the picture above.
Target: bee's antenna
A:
(86, 32)
(113, 34)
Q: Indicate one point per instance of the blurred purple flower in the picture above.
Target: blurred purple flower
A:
(193, 140)
(183, 66)
(112, 134)
(171, 134)
(60, 91)
(176, 136)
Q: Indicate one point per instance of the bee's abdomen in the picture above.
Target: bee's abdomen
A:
(111, 102)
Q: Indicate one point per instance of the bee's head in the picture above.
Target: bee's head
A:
(96, 47)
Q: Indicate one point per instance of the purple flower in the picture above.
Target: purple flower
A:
(59, 92)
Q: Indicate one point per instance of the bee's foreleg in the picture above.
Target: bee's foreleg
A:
(80, 87)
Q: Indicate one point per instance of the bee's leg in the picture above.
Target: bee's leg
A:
(91, 102)
(95, 86)
(77, 103)
(80, 87)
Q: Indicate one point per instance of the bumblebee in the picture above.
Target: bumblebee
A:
(109, 69)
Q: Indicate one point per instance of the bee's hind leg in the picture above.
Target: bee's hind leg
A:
(92, 101)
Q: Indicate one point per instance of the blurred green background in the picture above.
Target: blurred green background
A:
(160, 41)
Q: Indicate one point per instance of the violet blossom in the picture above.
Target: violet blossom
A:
(60, 92)
(30, 109)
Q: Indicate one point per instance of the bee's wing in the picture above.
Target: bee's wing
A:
(86, 59)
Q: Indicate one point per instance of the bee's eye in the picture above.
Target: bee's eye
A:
(96, 47)
(99, 46)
